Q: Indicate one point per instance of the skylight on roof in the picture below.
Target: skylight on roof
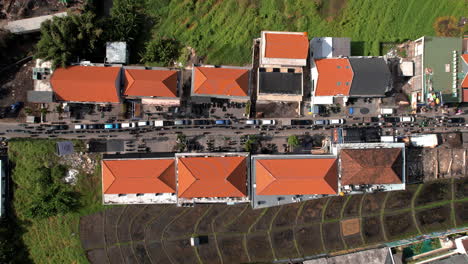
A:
(338, 83)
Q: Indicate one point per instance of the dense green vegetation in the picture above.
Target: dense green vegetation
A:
(47, 218)
(223, 30)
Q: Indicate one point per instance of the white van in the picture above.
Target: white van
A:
(268, 122)
(158, 123)
(336, 121)
(128, 125)
(407, 119)
(386, 111)
(143, 123)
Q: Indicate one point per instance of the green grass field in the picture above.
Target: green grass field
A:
(54, 239)
(223, 30)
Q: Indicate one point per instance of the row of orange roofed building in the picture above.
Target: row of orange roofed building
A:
(282, 58)
(263, 180)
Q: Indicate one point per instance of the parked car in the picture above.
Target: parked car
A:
(111, 126)
(456, 120)
(386, 111)
(80, 127)
(158, 123)
(301, 122)
(201, 122)
(407, 119)
(143, 123)
(95, 126)
(268, 122)
(321, 122)
(222, 122)
(16, 107)
(337, 121)
(59, 127)
(252, 122)
(391, 119)
(128, 125)
(182, 122)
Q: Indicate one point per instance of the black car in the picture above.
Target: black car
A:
(201, 122)
(300, 122)
(59, 127)
(391, 119)
(456, 120)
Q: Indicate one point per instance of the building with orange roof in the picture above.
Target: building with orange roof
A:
(282, 179)
(136, 181)
(87, 84)
(284, 49)
(464, 83)
(224, 82)
(158, 86)
(369, 167)
(212, 178)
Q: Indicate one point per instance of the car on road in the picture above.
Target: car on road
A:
(59, 127)
(252, 122)
(80, 126)
(182, 122)
(129, 125)
(158, 123)
(456, 120)
(407, 119)
(201, 122)
(95, 126)
(321, 122)
(112, 126)
(143, 123)
(337, 121)
(301, 122)
(268, 122)
(222, 122)
(391, 119)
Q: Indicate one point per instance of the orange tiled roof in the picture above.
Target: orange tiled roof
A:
(212, 177)
(160, 83)
(371, 166)
(334, 77)
(86, 84)
(465, 80)
(287, 46)
(296, 176)
(138, 176)
(221, 81)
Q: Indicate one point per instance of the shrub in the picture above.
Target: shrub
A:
(125, 20)
(162, 51)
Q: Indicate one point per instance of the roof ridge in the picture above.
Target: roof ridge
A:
(203, 75)
(240, 163)
(112, 174)
(271, 175)
(191, 174)
(164, 173)
(166, 80)
(130, 82)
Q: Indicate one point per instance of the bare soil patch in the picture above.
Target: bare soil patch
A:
(372, 230)
(181, 251)
(97, 255)
(204, 226)
(113, 254)
(350, 227)
(155, 227)
(259, 247)
(112, 216)
(137, 229)
(127, 254)
(434, 218)
(232, 249)
(283, 244)
(243, 222)
(228, 216)
(461, 213)
(399, 225)
(287, 215)
(140, 253)
(400, 199)
(312, 211)
(156, 253)
(309, 240)
(372, 203)
(208, 252)
(185, 224)
(354, 241)
(267, 110)
(332, 236)
(123, 227)
(433, 192)
(352, 206)
(461, 188)
(265, 221)
(92, 231)
(333, 210)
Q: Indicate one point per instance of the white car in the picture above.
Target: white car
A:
(337, 121)
(407, 119)
(143, 123)
(158, 123)
(252, 122)
(268, 122)
(80, 126)
(128, 125)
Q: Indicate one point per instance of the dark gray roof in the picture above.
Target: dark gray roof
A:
(280, 83)
(40, 96)
(65, 148)
(371, 77)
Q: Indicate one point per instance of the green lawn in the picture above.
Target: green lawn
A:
(54, 239)
(223, 30)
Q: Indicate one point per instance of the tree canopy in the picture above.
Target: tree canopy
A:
(64, 39)
(161, 51)
(293, 141)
